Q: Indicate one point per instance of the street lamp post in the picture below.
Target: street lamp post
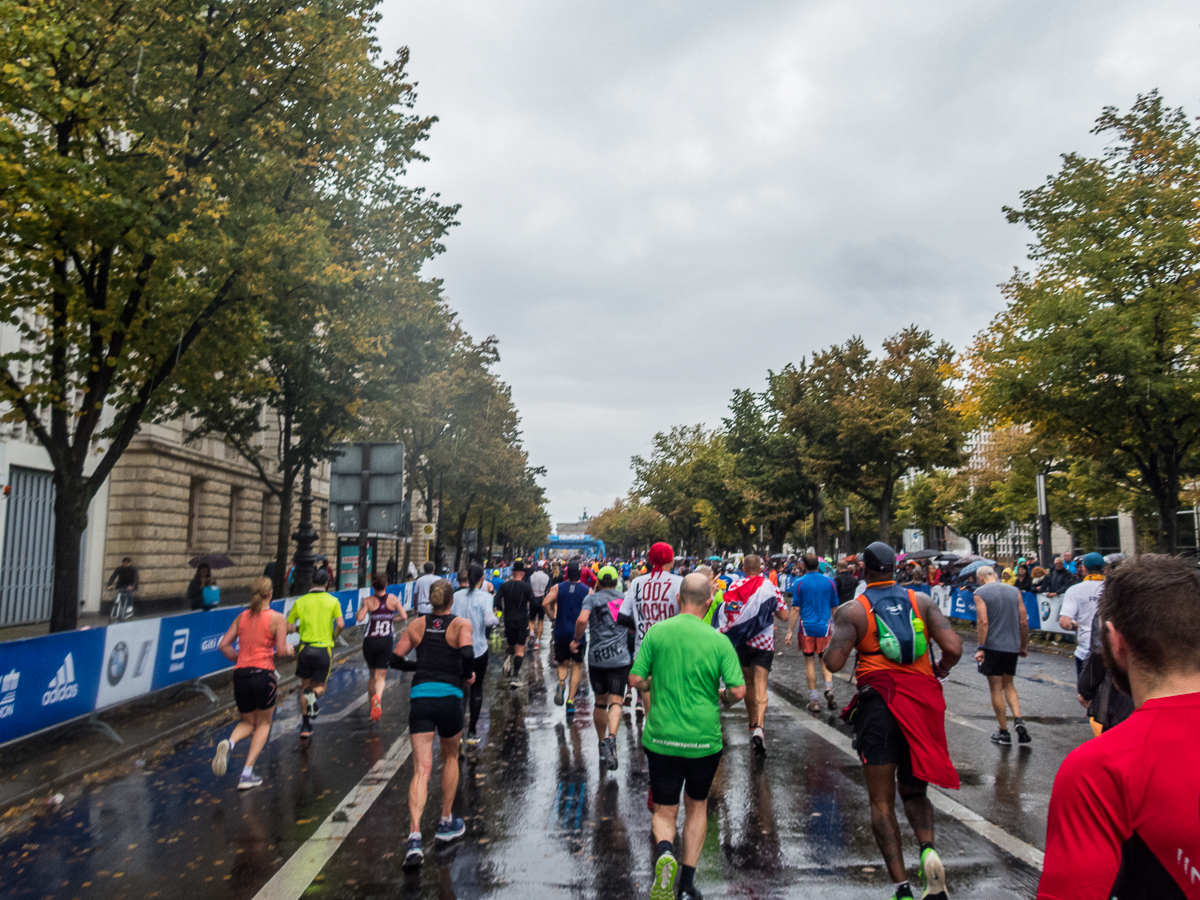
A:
(1044, 551)
(304, 537)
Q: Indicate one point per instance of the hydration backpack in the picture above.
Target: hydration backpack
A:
(901, 631)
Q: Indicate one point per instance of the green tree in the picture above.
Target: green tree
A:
(1098, 349)
(665, 481)
(866, 421)
(629, 526)
(771, 465)
(154, 160)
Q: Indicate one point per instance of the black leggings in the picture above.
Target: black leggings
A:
(476, 703)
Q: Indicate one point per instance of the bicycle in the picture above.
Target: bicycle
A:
(122, 607)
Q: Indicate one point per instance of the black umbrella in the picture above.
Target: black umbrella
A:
(924, 554)
(212, 560)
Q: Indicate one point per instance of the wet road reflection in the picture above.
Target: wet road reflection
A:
(543, 820)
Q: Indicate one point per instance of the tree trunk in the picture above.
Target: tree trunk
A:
(974, 539)
(438, 544)
(1165, 489)
(408, 495)
(818, 515)
(71, 500)
(283, 535)
(885, 514)
(462, 526)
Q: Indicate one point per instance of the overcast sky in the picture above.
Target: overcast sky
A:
(661, 201)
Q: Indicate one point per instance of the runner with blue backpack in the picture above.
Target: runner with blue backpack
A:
(899, 712)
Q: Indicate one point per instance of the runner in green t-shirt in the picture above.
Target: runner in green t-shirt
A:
(682, 662)
(314, 616)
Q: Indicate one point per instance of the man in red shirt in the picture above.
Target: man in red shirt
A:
(1124, 817)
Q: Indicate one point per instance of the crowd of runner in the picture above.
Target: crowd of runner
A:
(677, 640)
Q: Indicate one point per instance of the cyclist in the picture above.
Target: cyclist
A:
(125, 579)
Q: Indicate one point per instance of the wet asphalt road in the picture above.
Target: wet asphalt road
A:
(542, 820)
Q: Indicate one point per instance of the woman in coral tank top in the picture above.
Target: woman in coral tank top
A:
(261, 633)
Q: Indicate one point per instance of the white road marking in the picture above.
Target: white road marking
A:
(1014, 846)
(294, 877)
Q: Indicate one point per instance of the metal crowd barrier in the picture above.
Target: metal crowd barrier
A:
(53, 679)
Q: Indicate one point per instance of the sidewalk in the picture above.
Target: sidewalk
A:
(143, 609)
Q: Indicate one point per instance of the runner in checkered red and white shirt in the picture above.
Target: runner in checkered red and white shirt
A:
(747, 615)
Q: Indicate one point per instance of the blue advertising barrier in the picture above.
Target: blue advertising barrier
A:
(52, 679)
(1041, 612)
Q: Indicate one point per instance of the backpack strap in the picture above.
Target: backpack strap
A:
(872, 628)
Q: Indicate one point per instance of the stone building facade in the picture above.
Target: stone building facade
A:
(171, 500)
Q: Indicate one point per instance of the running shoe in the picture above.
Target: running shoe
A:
(933, 876)
(692, 893)
(376, 708)
(415, 855)
(666, 870)
(608, 753)
(1022, 732)
(570, 709)
(305, 731)
(449, 829)
(558, 694)
(758, 741)
(515, 683)
(640, 708)
(221, 759)
(1002, 737)
(472, 738)
(537, 645)
(831, 700)
(814, 706)
(252, 780)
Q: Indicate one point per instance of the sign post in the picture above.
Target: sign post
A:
(366, 495)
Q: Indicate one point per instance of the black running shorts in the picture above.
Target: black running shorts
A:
(377, 651)
(562, 651)
(516, 633)
(314, 663)
(998, 662)
(613, 681)
(751, 656)
(536, 610)
(671, 774)
(879, 739)
(254, 689)
(441, 714)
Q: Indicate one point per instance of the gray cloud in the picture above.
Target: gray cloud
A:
(763, 178)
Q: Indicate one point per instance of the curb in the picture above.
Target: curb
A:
(190, 726)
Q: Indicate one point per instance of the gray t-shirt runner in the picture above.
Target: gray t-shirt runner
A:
(608, 647)
(1003, 617)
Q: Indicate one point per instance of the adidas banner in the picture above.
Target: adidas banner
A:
(49, 680)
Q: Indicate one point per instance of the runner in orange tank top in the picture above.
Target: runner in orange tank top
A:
(898, 714)
(261, 634)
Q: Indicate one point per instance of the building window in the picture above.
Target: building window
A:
(195, 498)
(235, 497)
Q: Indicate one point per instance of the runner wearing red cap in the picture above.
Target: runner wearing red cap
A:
(651, 598)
